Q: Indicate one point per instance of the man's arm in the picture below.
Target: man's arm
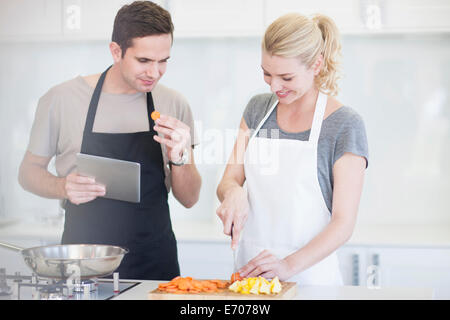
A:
(185, 179)
(35, 178)
(186, 182)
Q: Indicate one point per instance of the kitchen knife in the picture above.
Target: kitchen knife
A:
(234, 251)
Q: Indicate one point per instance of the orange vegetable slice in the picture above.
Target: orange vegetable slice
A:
(155, 115)
(235, 277)
(188, 285)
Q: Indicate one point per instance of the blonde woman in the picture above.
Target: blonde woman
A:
(302, 154)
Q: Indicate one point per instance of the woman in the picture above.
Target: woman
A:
(303, 155)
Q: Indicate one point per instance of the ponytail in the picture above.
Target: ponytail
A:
(331, 52)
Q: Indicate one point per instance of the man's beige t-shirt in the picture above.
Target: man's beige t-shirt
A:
(61, 115)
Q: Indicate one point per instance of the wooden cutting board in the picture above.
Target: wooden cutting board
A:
(289, 290)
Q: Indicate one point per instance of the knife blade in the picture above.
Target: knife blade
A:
(234, 251)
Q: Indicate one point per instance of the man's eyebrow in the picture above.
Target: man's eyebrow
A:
(281, 75)
(148, 59)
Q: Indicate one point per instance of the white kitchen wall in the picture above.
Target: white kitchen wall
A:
(399, 84)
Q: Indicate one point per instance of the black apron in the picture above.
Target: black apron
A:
(143, 228)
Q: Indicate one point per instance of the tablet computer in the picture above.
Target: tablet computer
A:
(122, 179)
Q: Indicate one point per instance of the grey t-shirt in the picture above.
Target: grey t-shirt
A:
(61, 115)
(342, 131)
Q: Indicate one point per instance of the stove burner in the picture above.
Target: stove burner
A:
(18, 287)
(86, 285)
(52, 292)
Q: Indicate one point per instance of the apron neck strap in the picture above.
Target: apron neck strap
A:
(150, 109)
(94, 102)
(317, 118)
(264, 119)
(319, 112)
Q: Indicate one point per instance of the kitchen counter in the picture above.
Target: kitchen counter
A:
(212, 231)
(140, 292)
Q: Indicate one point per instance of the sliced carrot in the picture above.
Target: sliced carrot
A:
(183, 285)
(180, 291)
(197, 286)
(155, 115)
(194, 291)
(235, 277)
(220, 283)
(189, 285)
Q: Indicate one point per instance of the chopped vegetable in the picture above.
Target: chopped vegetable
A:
(235, 276)
(180, 285)
(256, 286)
(155, 115)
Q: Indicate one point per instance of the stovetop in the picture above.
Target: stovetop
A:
(32, 287)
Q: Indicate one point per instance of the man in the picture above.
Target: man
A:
(108, 115)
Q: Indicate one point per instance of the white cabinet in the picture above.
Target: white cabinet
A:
(371, 16)
(417, 15)
(396, 266)
(217, 18)
(32, 19)
(89, 20)
(56, 20)
(344, 12)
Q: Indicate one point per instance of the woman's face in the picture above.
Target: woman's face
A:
(288, 78)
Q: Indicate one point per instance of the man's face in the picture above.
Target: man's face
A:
(145, 62)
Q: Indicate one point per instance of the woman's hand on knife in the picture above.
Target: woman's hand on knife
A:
(233, 211)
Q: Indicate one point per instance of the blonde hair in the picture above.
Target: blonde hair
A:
(295, 35)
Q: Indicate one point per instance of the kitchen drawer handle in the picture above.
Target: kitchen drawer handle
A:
(355, 269)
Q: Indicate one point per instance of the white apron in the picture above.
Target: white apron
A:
(287, 208)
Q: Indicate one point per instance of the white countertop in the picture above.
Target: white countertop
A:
(211, 231)
(141, 291)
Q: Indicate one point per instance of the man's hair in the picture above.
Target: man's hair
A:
(140, 19)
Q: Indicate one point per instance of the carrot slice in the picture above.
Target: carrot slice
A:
(178, 291)
(194, 291)
(189, 285)
(235, 277)
(155, 115)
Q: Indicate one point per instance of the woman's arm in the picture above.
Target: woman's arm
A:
(348, 173)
